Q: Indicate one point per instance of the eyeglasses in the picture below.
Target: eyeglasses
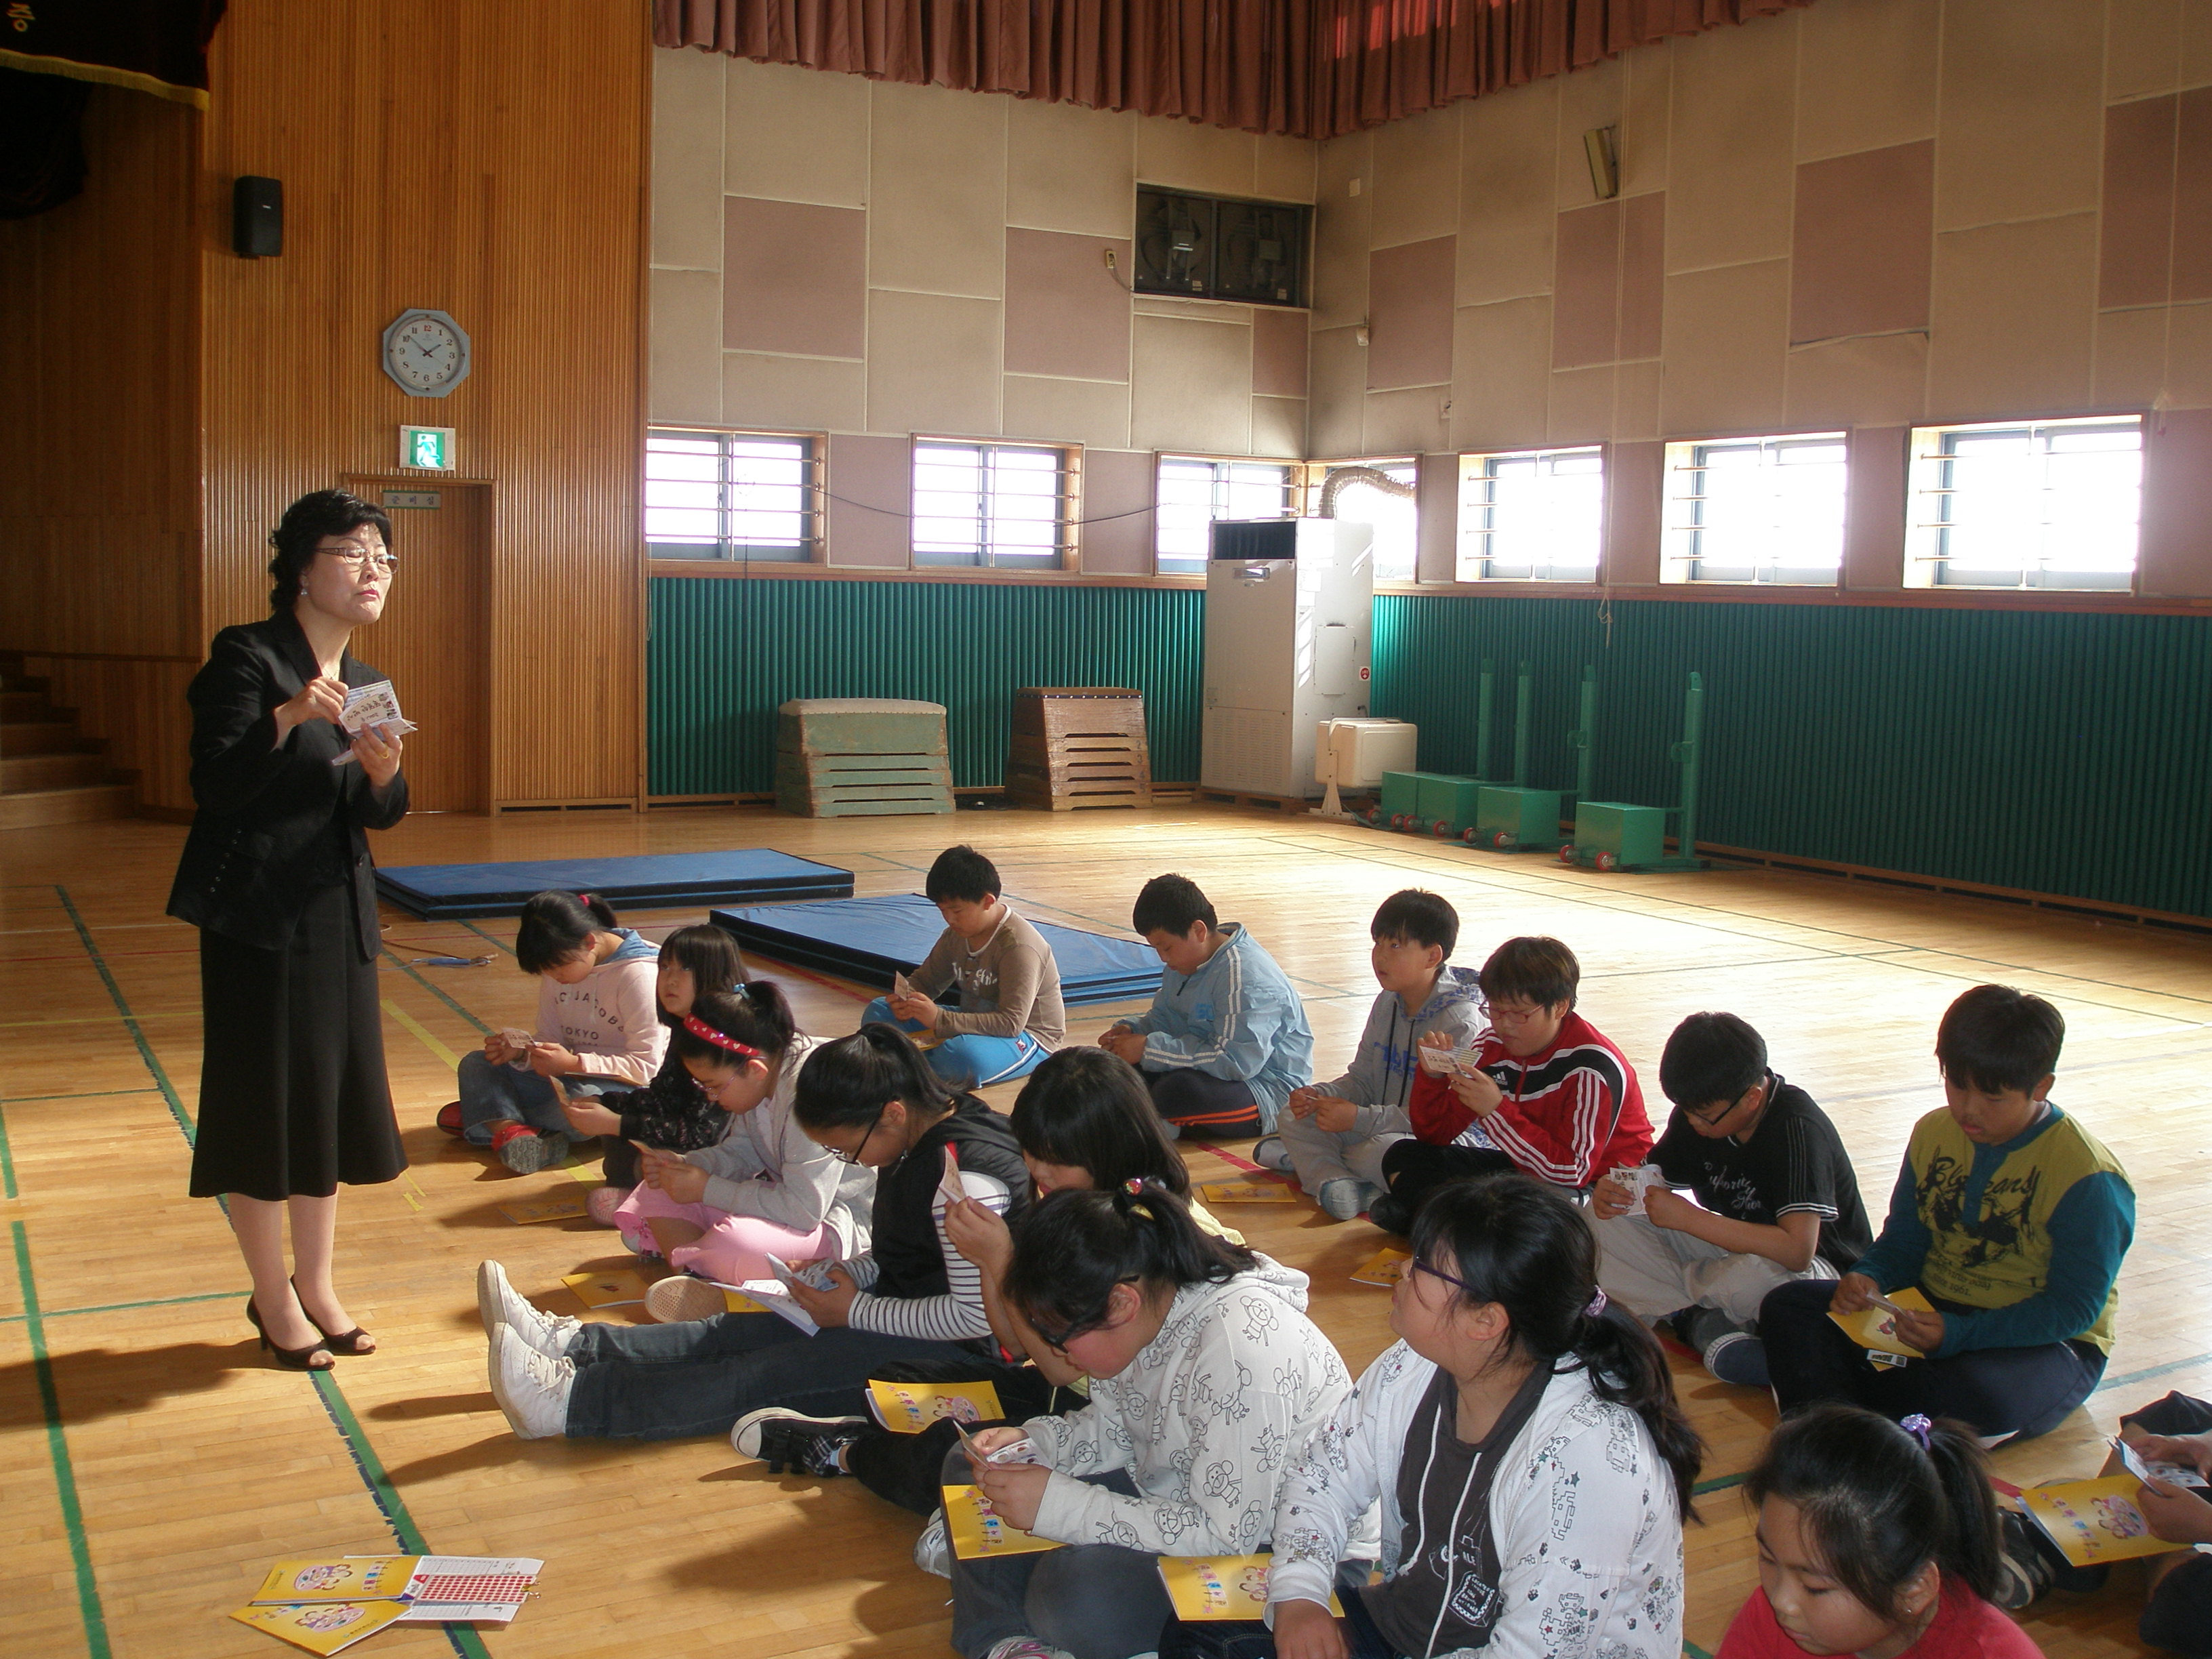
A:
(1512, 1014)
(1707, 1120)
(384, 560)
(853, 1157)
(1082, 1327)
(1418, 1266)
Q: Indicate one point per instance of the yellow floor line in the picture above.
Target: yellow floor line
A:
(421, 1033)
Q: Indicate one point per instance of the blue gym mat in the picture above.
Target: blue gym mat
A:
(647, 882)
(869, 939)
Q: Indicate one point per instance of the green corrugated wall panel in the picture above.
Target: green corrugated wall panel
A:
(2055, 751)
(725, 653)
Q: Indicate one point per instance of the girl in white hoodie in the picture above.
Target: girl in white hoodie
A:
(1206, 1375)
(764, 1189)
(1524, 1441)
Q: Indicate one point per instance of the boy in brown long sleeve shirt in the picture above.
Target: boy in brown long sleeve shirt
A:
(1006, 1015)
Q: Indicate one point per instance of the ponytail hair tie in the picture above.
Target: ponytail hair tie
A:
(706, 1033)
(1135, 1186)
(1596, 1306)
(1917, 1426)
(584, 898)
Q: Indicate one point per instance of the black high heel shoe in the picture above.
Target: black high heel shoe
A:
(292, 1359)
(345, 1342)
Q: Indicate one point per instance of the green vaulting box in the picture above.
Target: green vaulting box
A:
(848, 757)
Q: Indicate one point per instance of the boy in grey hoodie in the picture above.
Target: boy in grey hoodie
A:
(1337, 1131)
(1225, 1040)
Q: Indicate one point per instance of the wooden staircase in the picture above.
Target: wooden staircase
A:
(49, 773)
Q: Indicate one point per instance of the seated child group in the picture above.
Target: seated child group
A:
(1513, 1472)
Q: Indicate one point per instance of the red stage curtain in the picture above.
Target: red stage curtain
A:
(1313, 68)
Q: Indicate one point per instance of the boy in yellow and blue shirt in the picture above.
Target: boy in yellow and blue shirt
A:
(2010, 1218)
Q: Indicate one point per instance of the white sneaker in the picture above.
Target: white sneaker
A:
(933, 1551)
(1269, 1153)
(501, 1307)
(531, 1387)
(1027, 1647)
(680, 1297)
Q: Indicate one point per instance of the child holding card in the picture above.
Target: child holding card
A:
(1333, 1134)
(1003, 1013)
(871, 1101)
(2010, 1218)
(1777, 1199)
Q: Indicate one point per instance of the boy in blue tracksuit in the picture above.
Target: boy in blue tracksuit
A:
(1225, 1040)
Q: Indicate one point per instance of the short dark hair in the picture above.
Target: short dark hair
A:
(961, 873)
(1170, 904)
(1418, 916)
(1995, 1038)
(1539, 969)
(1711, 1057)
(318, 514)
(557, 926)
(1084, 1108)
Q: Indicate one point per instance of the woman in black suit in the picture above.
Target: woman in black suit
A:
(276, 877)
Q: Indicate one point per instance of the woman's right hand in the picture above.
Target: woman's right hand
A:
(321, 698)
(1306, 1629)
(980, 1234)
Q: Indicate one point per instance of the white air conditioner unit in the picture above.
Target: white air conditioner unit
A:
(1354, 754)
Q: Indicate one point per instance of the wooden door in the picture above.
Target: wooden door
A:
(432, 638)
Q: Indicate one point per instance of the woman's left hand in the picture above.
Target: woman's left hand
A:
(551, 1060)
(1016, 1491)
(827, 1308)
(379, 755)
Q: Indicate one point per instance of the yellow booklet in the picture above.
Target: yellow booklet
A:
(354, 1578)
(910, 1407)
(543, 1209)
(1247, 1191)
(617, 1289)
(1222, 1586)
(2093, 1522)
(323, 1626)
(977, 1532)
(1875, 1327)
(1386, 1269)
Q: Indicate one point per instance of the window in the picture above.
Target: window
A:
(731, 494)
(1537, 515)
(995, 506)
(2026, 504)
(1757, 509)
(1193, 492)
(1392, 511)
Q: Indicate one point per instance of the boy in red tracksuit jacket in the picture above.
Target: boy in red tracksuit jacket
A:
(1543, 1091)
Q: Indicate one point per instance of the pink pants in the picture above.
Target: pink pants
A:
(736, 1248)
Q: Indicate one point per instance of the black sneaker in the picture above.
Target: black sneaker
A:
(790, 1443)
(2029, 1563)
(1392, 1214)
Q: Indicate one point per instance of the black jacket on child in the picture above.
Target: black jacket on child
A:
(909, 1261)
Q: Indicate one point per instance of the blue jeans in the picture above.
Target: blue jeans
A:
(975, 1061)
(506, 1094)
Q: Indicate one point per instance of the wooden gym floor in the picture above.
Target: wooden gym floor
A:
(151, 1464)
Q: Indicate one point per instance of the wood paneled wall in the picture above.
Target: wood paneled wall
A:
(99, 498)
(488, 162)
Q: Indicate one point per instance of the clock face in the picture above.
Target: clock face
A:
(426, 353)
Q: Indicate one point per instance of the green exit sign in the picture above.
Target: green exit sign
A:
(426, 448)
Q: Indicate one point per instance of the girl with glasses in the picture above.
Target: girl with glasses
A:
(1525, 1444)
(869, 1100)
(1206, 1377)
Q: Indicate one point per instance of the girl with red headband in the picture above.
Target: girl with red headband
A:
(764, 1189)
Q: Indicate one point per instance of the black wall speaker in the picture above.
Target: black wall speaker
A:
(257, 218)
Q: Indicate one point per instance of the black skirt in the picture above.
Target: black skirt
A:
(294, 1098)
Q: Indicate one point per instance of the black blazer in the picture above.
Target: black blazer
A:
(256, 850)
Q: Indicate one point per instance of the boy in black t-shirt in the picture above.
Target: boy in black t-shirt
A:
(1779, 1199)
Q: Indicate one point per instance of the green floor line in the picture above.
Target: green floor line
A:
(1718, 1483)
(480, 933)
(386, 1497)
(130, 1020)
(2130, 1378)
(7, 1162)
(88, 1094)
(125, 1307)
(88, 1590)
(435, 991)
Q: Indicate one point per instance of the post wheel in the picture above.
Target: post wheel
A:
(1608, 861)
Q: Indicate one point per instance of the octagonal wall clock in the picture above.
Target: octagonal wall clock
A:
(426, 352)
